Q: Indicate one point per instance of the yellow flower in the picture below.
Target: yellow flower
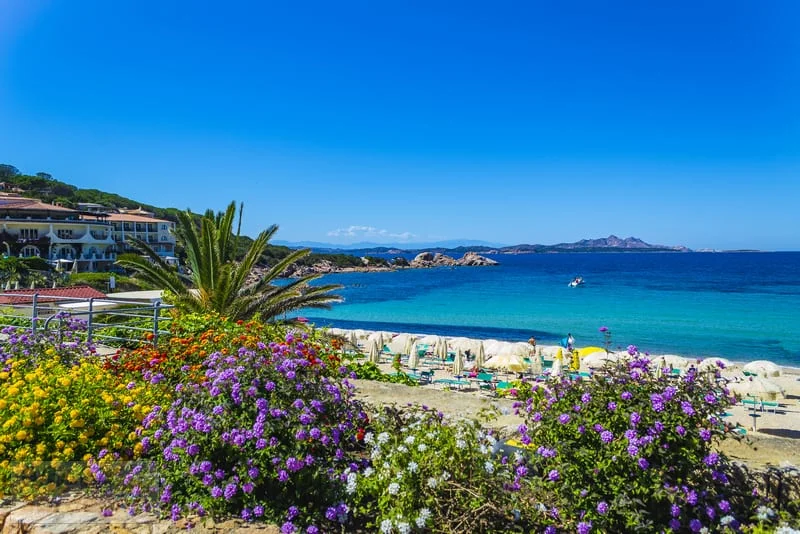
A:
(21, 435)
(3, 404)
(3, 375)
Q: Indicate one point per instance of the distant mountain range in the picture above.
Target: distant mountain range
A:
(611, 243)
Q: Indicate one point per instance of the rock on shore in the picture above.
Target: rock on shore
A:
(429, 259)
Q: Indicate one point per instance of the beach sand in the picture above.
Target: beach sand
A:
(775, 440)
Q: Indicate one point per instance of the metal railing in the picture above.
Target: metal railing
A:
(108, 320)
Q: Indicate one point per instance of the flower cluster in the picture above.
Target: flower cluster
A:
(629, 446)
(264, 425)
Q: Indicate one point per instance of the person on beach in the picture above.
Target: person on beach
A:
(532, 343)
(568, 342)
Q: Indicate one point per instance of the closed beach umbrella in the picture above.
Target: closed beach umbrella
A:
(756, 386)
(381, 338)
(762, 368)
(458, 362)
(536, 365)
(413, 360)
(480, 356)
(440, 351)
(411, 345)
(374, 352)
(354, 339)
(558, 364)
(428, 340)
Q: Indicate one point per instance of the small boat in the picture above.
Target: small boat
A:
(577, 281)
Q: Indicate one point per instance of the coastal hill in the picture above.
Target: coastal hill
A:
(611, 243)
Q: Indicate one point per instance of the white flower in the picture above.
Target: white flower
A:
(432, 482)
(368, 471)
(484, 449)
(402, 448)
(412, 467)
(394, 488)
(383, 437)
(386, 526)
(445, 475)
(422, 447)
(704, 530)
(424, 515)
(403, 528)
(376, 453)
(461, 444)
(517, 457)
(368, 438)
(351, 483)
(386, 465)
(410, 440)
(785, 529)
(726, 520)
(764, 512)
(491, 439)
(489, 466)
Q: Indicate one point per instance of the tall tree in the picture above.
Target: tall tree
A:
(217, 279)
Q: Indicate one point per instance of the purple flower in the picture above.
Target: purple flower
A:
(635, 418)
(230, 491)
(680, 430)
(553, 475)
(644, 464)
(675, 525)
(606, 436)
(633, 450)
(705, 434)
(216, 492)
(724, 506)
(711, 459)
(611, 406)
(563, 418)
(584, 527)
(657, 401)
(695, 525)
(602, 507)
(632, 350)
(675, 510)
(626, 395)
(687, 408)
(585, 398)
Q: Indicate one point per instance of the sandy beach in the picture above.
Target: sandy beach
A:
(771, 436)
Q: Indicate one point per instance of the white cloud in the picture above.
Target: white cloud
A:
(369, 232)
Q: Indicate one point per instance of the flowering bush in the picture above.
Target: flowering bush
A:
(426, 472)
(629, 451)
(265, 426)
(57, 413)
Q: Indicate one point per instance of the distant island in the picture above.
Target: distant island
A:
(611, 243)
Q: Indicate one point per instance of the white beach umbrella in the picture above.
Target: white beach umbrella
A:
(428, 340)
(667, 360)
(536, 365)
(480, 356)
(558, 367)
(353, 339)
(440, 350)
(509, 362)
(413, 360)
(492, 347)
(713, 364)
(381, 338)
(463, 343)
(458, 362)
(374, 353)
(757, 386)
(598, 360)
(762, 368)
(410, 345)
(521, 348)
(397, 344)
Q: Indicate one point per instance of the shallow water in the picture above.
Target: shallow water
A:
(743, 306)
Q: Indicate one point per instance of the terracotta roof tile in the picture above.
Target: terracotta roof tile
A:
(21, 296)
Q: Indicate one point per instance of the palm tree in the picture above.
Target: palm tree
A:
(218, 281)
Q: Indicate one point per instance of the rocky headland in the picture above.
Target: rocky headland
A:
(423, 260)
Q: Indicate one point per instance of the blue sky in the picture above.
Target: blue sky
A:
(512, 122)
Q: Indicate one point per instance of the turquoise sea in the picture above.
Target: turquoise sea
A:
(743, 306)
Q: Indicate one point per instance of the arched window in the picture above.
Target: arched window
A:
(29, 251)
